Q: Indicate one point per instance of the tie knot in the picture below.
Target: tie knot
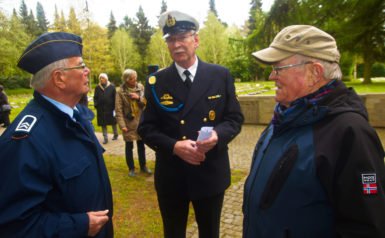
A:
(187, 73)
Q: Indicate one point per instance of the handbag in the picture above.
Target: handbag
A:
(5, 108)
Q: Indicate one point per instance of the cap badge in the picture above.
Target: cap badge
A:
(170, 21)
(369, 183)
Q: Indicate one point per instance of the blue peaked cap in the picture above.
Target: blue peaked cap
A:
(48, 48)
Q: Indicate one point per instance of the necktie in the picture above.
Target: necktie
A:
(187, 81)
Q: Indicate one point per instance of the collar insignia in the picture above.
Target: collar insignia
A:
(166, 96)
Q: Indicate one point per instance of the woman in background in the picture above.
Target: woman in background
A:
(5, 108)
(129, 105)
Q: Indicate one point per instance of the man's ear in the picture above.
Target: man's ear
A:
(58, 79)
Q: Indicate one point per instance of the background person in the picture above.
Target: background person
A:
(104, 102)
(318, 168)
(54, 182)
(5, 108)
(179, 104)
(129, 105)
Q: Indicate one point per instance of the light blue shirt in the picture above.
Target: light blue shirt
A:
(62, 107)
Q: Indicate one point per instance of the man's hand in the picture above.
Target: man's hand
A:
(187, 151)
(205, 145)
(97, 221)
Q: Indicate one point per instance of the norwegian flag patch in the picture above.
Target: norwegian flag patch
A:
(369, 184)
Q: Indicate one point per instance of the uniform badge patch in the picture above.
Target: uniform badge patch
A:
(369, 183)
(26, 124)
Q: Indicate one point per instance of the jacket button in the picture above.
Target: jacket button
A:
(184, 137)
(182, 122)
(205, 119)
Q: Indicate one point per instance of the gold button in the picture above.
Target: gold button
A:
(182, 122)
(184, 137)
(205, 119)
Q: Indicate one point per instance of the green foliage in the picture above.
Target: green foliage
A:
(158, 52)
(73, 23)
(111, 26)
(42, 22)
(213, 41)
(123, 51)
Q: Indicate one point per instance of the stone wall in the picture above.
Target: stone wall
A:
(259, 109)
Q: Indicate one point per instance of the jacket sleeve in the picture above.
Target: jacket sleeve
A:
(233, 118)
(26, 182)
(119, 104)
(353, 150)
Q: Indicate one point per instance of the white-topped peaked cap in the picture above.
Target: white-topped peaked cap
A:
(175, 22)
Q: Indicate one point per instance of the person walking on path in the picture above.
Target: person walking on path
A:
(182, 99)
(5, 108)
(318, 168)
(54, 182)
(104, 102)
(129, 105)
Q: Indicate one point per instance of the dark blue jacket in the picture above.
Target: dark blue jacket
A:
(211, 101)
(306, 175)
(52, 173)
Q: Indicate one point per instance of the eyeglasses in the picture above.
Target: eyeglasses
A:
(82, 66)
(182, 39)
(276, 70)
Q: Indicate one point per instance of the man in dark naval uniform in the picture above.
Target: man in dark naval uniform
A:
(187, 97)
(54, 182)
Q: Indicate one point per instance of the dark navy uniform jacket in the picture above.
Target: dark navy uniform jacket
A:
(52, 173)
(211, 101)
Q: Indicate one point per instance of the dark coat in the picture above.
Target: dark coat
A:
(4, 115)
(307, 176)
(211, 101)
(104, 101)
(52, 173)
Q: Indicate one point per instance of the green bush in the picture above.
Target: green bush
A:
(14, 82)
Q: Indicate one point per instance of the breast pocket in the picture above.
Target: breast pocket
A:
(75, 170)
(279, 176)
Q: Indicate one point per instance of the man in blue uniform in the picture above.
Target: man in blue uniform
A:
(318, 169)
(187, 97)
(54, 182)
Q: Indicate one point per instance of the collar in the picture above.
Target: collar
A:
(193, 70)
(62, 107)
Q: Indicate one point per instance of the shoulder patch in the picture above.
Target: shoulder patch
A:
(24, 127)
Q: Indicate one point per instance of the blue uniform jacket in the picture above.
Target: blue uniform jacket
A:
(211, 101)
(52, 173)
(306, 178)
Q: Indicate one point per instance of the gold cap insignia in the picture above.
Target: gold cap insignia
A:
(212, 115)
(152, 80)
(170, 21)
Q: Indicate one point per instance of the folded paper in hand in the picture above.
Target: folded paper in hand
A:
(205, 133)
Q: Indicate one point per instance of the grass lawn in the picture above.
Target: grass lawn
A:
(136, 212)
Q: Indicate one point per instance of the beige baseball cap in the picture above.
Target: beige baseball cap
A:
(300, 39)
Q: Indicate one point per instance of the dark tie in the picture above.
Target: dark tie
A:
(187, 81)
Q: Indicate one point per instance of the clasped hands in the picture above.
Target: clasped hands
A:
(194, 152)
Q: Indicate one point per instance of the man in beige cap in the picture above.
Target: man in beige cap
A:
(318, 169)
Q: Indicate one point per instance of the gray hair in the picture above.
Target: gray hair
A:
(127, 74)
(332, 70)
(40, 78)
